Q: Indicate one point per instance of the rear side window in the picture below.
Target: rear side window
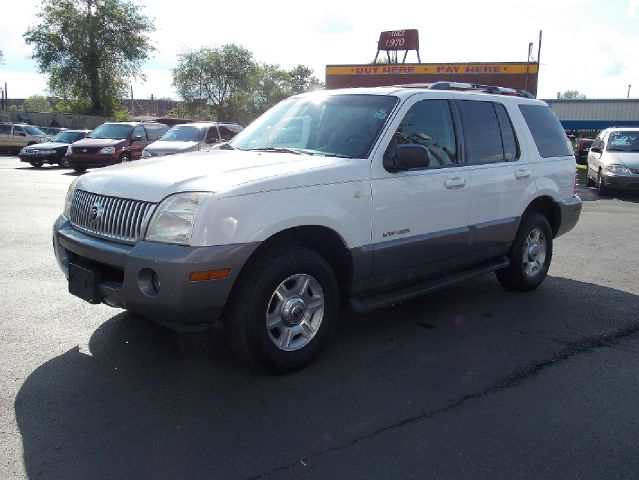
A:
(5, 129)
(547, 132)
(488, 133)
(155, 131)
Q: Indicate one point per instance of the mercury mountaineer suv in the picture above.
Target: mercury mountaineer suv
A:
(360, 198)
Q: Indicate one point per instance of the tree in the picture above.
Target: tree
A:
(37, 103)
(226, 83)
(572, 95)
(90, 49)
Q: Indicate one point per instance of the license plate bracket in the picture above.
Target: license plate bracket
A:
(84, 283)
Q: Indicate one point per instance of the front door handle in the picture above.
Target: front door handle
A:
(455, 182)
(521, 174)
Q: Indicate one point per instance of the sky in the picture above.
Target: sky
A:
(589, 46)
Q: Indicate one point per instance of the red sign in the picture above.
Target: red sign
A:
(398, 40)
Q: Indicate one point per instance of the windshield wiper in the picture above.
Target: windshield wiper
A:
(276, 149)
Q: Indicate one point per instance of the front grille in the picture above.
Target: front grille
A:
(113, 218)
(634, 170)
(86, 150)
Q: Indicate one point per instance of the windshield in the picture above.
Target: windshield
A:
(34, 131)
(183, 133)
(624, 141)
(111, 130)
(67, 137)
(329, 125)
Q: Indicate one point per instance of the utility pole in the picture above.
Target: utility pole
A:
(132, 109)
(629, 91)
(538, 62)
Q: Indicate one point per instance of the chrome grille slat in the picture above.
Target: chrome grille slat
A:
(120, 219)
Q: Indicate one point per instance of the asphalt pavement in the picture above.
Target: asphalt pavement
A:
(469, 382)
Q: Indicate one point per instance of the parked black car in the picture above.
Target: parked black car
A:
(53, 152)
(582, 147)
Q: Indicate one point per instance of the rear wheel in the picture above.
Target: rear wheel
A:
(283, 310)
(64, 162)
(529, 256)
(36, 164)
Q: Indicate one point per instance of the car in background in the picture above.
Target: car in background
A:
(613, 160)
(54, 151)
(52, 130)
(191, 137)
(15, 136)
(582, 147)
(113, 142)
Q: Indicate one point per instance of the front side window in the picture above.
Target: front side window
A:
(35, 131)
(328, 125)
(212, 135)
(226, 133)
(139, 132)
(17, 130)
(428, 123)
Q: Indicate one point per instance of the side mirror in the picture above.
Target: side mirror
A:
(408, 157)
(595, 149)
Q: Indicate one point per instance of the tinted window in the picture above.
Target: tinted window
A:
(68, 137)
(547, 132)
(5, 129)
(212, 135)
(34, 131)
(226, 133)
(428, 123)
(139, 132)
(481, 133)
(155, 130)
(508, 137)
(111, 130)
(17, 130)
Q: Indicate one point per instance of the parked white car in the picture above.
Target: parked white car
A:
(361, 198)
(613, 160)
(191, 137)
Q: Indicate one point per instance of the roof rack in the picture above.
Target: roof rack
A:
(471, 87)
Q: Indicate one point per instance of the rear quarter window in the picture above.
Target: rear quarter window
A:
(547, 132)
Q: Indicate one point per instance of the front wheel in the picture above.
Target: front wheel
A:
(283, 310)
(125, 157)
(79, 169)
(64, 162)
(601, 186)
(529, 256)
(36, 164)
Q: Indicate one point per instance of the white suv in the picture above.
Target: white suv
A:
(359, 198)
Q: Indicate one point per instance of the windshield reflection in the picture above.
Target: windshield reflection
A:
(328, 125)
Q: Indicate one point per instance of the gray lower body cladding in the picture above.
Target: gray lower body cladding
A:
(126, 272)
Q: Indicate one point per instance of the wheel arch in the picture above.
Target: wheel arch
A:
(549, 208)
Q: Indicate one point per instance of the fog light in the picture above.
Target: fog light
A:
(149, 282)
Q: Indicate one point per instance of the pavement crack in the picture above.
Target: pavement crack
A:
(571, 349)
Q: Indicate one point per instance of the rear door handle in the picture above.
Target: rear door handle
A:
(455, 182)
(521, 174)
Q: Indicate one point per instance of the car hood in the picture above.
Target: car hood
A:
(629, 159)
(48, 145)
(97, 142)
(228, 173)
(171, 147)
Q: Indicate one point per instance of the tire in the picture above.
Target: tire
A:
(589, 181)
(79, 169)
(530, 255)
(64, 162)
(601, 186)
(125, 157)
(274, 323)
(36, 164)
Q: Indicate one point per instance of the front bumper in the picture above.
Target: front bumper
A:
(92, 160)
(125, 273)
(49, 158)
(570, 210)
(621, 181)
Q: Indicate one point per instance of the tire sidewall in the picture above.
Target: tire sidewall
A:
(261, 285)
(531, 222)
(125, 157)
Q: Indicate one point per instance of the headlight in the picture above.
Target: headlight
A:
(173, 220)
(69, 198)
(108, 150)
(49, 152)
(617, 168)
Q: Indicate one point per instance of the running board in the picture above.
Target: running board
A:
(402, 294)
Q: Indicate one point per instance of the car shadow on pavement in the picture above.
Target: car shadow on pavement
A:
(146, 402)
(590, 194)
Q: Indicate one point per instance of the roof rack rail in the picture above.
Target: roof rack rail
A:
(471, 87)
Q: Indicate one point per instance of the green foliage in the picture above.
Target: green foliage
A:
(227, 84)
(572, 95)
(37, 103)
(90, 49)
(122, 115)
